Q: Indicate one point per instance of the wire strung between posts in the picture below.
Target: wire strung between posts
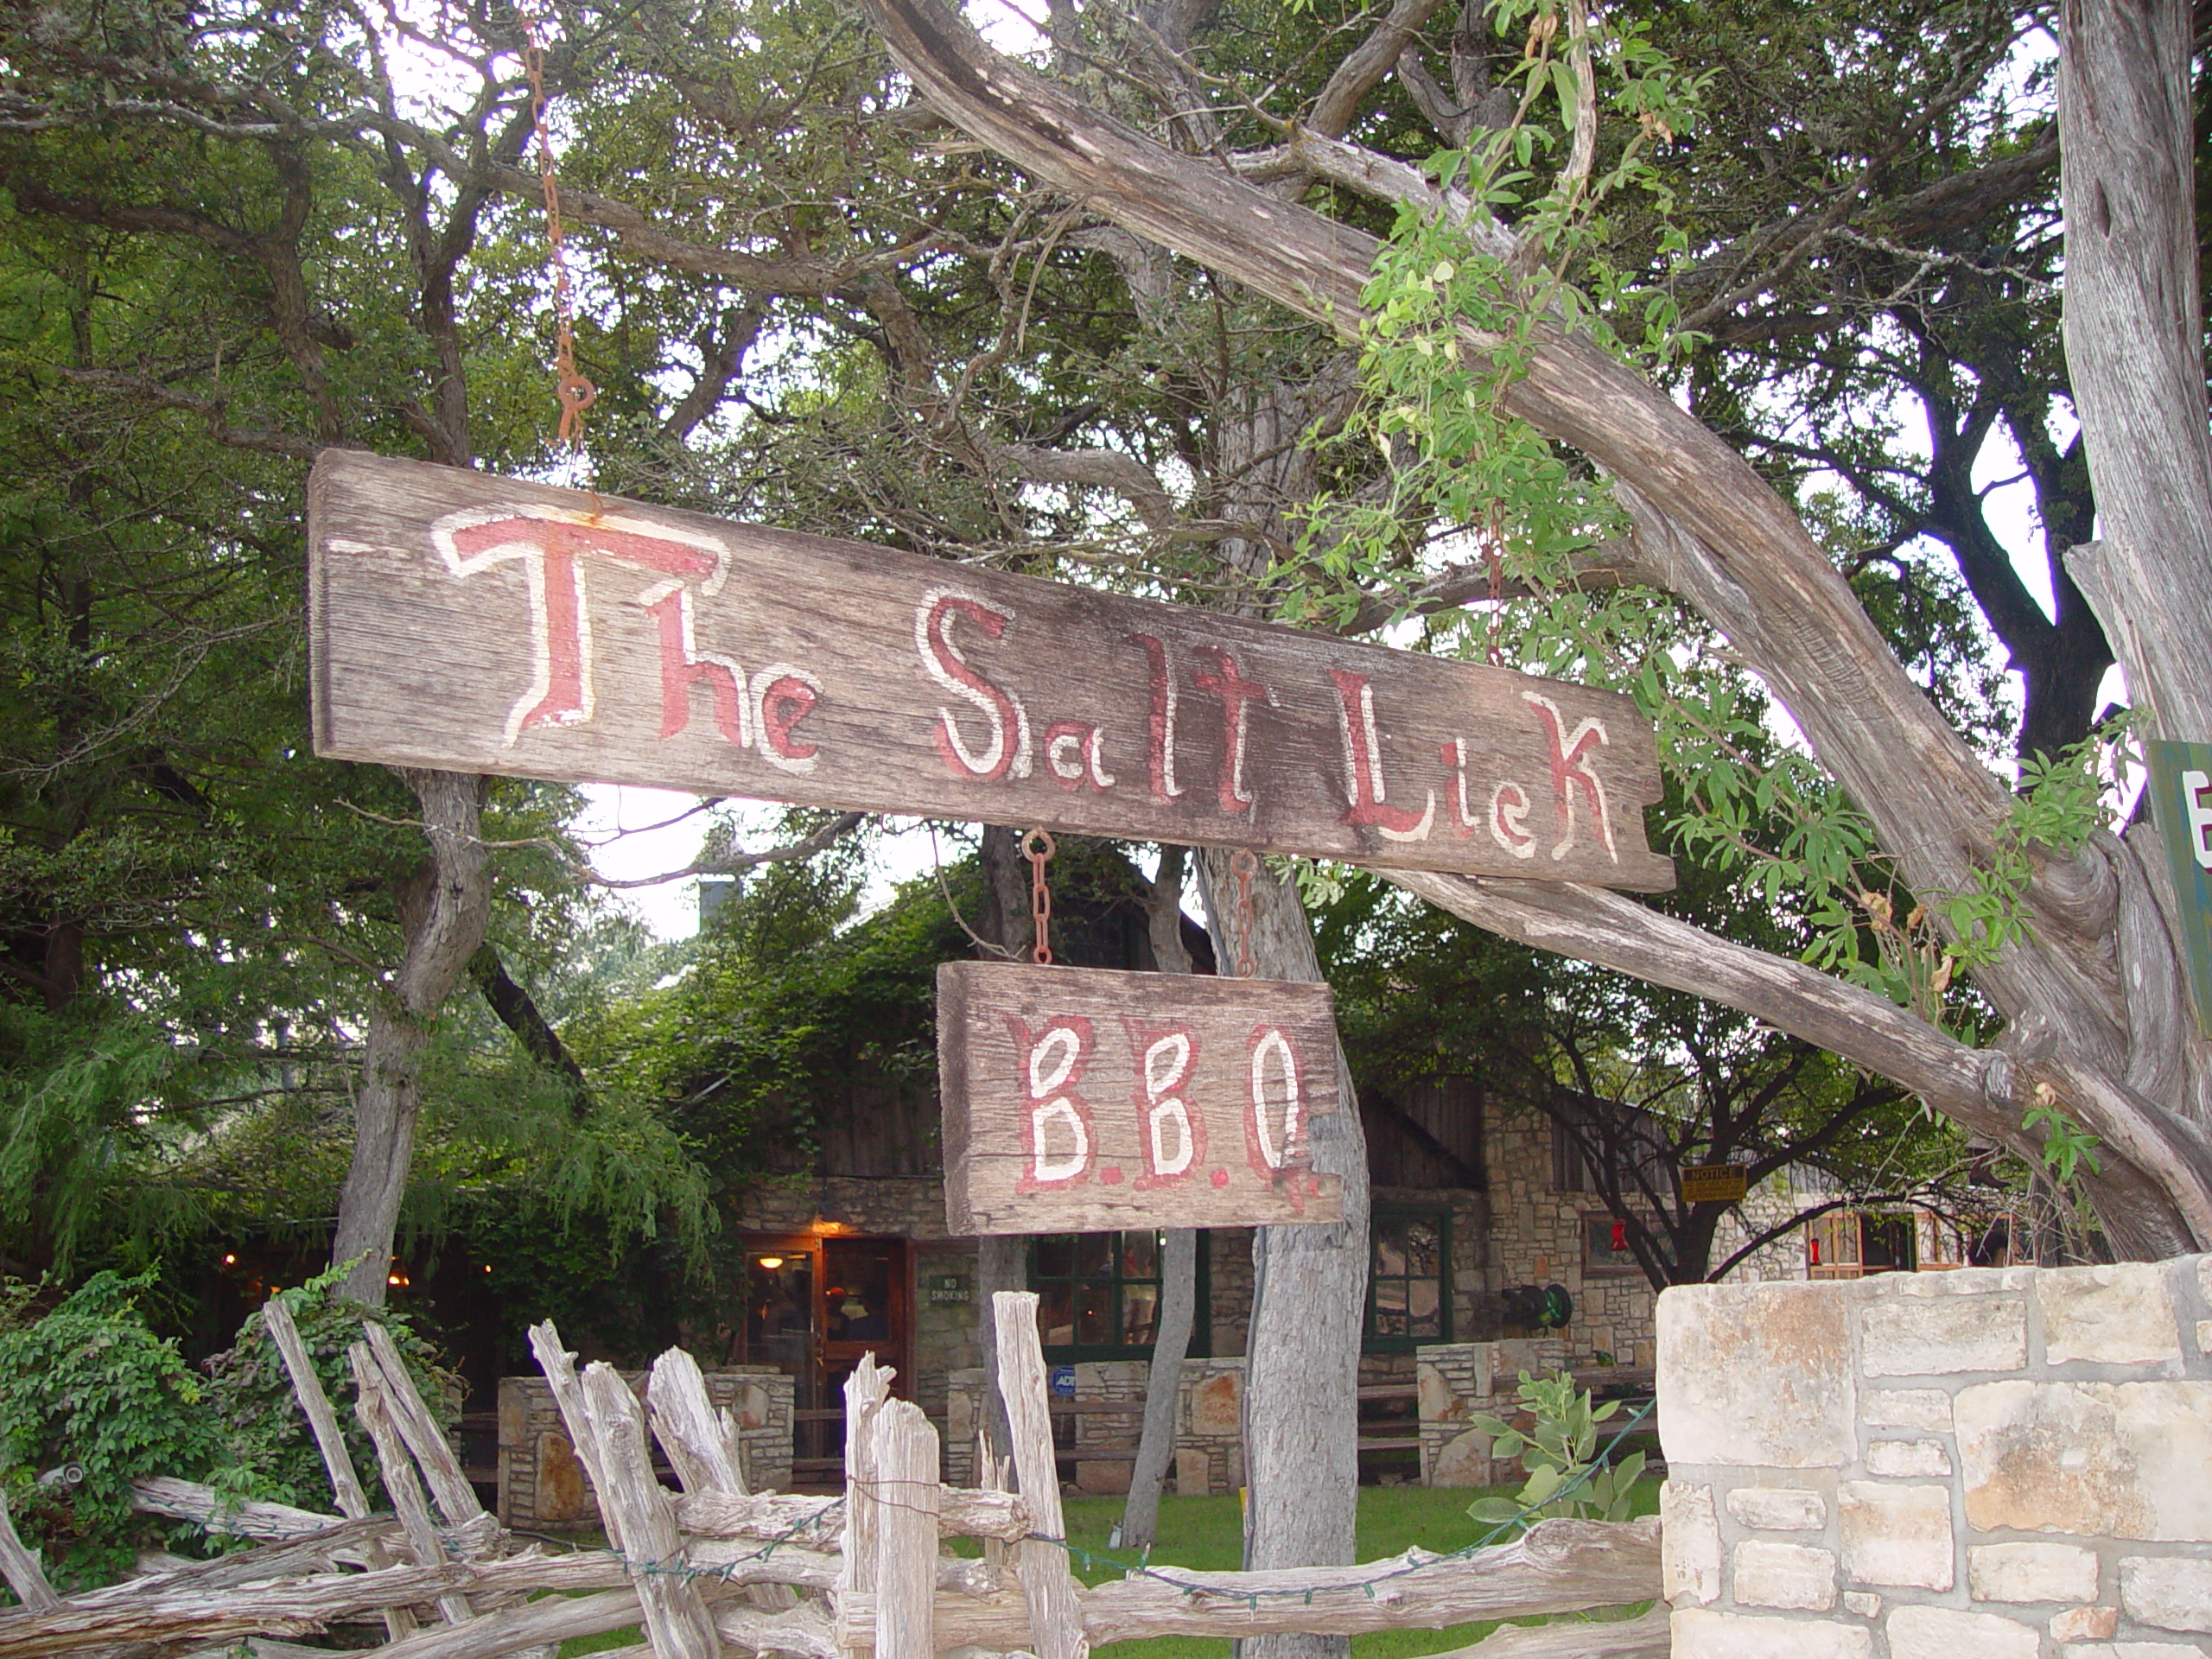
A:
(1037, 847)
(575, 393)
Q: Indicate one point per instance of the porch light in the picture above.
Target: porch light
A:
(771, 1262)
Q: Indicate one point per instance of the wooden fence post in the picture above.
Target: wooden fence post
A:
(677, 1619)
(330, 1440)
(1043, 1566)
(867, 1391)
(907, 1502)
(702, 1445)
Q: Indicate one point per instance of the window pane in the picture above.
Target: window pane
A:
(1140, 1255)
(1053, 1318)
(1094, 1254)
(1140, 1308)
(1093, 1313)
(1420, 1246)
(1424, 1309)
(1389, 1247)
(1055, 1258)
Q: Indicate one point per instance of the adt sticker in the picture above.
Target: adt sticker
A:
(1063, 1382)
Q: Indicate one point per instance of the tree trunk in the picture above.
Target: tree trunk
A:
(1171, 1343)
(1179, 1263)
(1004, 924)
(443, 910)
(1309, 1294)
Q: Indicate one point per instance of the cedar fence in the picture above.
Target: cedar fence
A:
(716, 1570)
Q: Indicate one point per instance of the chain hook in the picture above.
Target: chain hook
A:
(1037, 847)
(1245, 866)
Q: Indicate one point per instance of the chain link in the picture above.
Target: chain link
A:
(575, 393)
(1245, 866)
(1037, 847)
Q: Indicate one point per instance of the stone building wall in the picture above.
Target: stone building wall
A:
(541, 1482)
(1460, 1380)
(1986, 1464)
(1535, 1237)
(1209, 1436)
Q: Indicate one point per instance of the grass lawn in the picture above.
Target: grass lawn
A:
(1206, 1533)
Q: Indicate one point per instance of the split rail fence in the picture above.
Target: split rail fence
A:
(716, 1570)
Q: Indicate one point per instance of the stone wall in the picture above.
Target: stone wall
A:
(1460, 1380)
(542, 1484)
(1209, 1436)
(1535, 1237)
(1986, 1464)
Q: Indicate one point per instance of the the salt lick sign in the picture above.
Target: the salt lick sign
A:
(476, 624)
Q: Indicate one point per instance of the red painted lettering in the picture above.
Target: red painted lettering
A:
(1007, 751)
(1364, 785)
(1164, 787)
(1235, 691)
(1571, 774)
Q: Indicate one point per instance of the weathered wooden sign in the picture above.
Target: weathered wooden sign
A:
(474, 623)
(2181, 807)
(1077, 1100)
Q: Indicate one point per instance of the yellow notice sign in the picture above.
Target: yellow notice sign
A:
(1714, 1184)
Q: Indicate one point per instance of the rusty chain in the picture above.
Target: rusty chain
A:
(575, 393)
(1037, 847)
(1245, 866)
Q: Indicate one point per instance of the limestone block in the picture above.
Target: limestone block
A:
(2132, 1650)
(1768, 1574)
(1925, 1409)
(1689, 1543)
(2205, 1336)
(562, 1496)
(2031, 1573)
(2084, 1623)
(1439, 1404)
(2097, 1460)
(1701, 1633)
(1917, 1459)
(1896, 1535)
(2204, 1277)
(1465, 1460)
(1864, 1603)
(1194, 1472)
(2119, 1315)
(753, 1404)
(1756, 1374)
(1933, 1336)
(1778, 1508)
(2172, 1592)
(1216, 1405)
(1101, 1477)
(1947, 1633)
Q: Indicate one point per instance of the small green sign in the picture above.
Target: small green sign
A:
(948, 1288)
(2181, 805)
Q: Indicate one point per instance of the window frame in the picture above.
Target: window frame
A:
(1070, 1353)
(1369, 1343)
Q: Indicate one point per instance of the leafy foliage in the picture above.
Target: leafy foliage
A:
(1558, 1451)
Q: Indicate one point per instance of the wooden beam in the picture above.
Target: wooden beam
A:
(471, 623)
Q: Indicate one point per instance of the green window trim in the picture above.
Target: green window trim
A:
(1097, 1290)
(1408, 1279)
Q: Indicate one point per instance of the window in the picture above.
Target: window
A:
(1591, 1137)
(1098, 1295)
(1851, 1243)
(1408, 1284)
(1606, 1252)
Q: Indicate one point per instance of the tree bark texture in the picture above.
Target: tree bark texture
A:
(1309, 1292)
(443, 911)
(1005, 929)
(2084, 995)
